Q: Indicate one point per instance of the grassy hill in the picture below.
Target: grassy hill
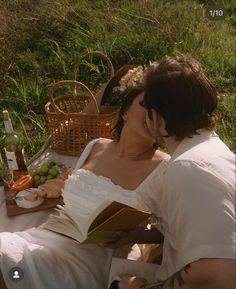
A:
(42, 40)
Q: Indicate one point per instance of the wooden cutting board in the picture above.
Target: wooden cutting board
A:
(14, 210)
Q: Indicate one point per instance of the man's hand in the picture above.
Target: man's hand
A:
(131, 282)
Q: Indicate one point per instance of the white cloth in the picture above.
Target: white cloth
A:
(197, 203)
(52, 261)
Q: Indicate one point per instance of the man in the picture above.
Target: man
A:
(197, 202)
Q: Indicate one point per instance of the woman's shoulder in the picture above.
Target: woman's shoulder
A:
(99, 146)
(93, 148)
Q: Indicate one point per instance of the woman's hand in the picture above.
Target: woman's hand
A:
(131, 282)
(155, 254)
(124, 238)
(139, 235)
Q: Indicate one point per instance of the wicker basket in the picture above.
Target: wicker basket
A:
(70, 126)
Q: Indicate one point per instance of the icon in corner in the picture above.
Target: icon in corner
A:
(16, 274)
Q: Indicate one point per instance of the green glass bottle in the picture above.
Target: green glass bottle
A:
(12, 149)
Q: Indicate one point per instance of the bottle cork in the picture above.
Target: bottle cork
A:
(5, 115)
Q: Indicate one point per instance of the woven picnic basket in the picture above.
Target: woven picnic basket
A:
(71, 128)
(77, 117)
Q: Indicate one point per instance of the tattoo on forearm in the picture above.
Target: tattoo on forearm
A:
(176, 278)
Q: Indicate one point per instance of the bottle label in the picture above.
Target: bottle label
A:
(11, 160)
(8, 126)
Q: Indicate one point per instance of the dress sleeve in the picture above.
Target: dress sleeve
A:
(86, 153)
(200, 213)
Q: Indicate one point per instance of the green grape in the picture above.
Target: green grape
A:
(36, 178)
(42, 179)
(56, 168)
(37, 170)
(53, 172)
(44, 169)
(51, 163)
(49, 177)
(41, 172)
(33, 173)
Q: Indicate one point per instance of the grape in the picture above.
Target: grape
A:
(36, 178)
(33, 173)
(51, 163)
(37, 171)
(44, 169)
(56, 168)
(47, 171)
(40, 172)
(53, 172)
(42, 179)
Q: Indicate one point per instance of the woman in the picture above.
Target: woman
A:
(120, 170)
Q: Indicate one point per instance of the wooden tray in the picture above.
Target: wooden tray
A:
(14, 210)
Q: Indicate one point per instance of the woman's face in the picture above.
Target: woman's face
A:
(135, 119)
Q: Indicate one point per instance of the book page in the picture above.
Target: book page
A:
(82, 212)
(111, 217)
(136, 268)
(64, 226)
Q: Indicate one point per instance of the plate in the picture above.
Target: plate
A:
(22, 203)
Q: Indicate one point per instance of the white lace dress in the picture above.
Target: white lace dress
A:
(50, 260)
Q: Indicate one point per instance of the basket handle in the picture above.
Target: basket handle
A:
(94, 53)
(74, 84)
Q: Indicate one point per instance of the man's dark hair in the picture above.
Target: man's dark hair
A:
(182, 94)
(128, 99)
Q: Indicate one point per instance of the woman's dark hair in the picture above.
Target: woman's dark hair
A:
(181, 93)
(128, 99)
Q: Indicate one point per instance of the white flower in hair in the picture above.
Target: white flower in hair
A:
(132, 78)
(153, 64)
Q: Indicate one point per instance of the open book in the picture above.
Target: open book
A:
(99, 226)
(135, 268)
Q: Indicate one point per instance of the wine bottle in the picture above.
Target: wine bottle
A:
(12, 151)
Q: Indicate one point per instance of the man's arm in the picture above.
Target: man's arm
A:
(202, 274)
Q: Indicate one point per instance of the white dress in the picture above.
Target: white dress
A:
(50, 260)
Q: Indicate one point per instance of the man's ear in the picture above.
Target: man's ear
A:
(158, 123)
(158, 120)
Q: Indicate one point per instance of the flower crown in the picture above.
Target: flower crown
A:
(133, 78)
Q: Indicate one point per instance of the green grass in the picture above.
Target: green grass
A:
(41, 42)
(226, 123)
